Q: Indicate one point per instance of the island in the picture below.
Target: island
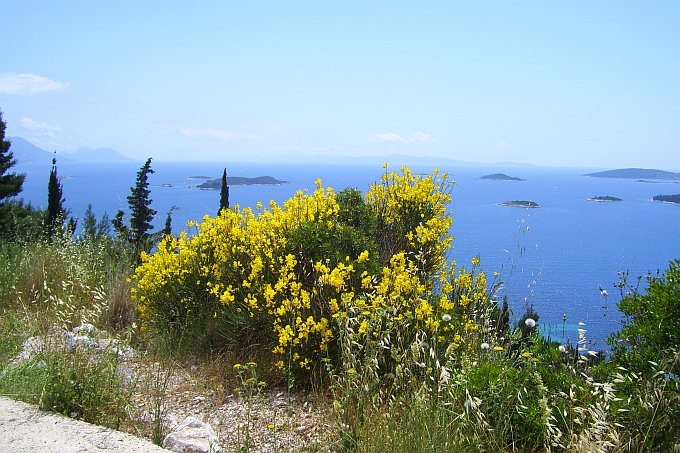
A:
(501, 177)
(604, 198)
(520, 204)
(199, 177)
(636, 173)
(668, 198)
(241, 181)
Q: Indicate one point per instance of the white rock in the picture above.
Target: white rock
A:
(80, 341)
(85, 329)
(192, 436)
(112, 345)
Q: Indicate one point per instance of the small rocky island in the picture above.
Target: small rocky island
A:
(520, 204)
(668, 198)
(605, 198)
(501, 177)
(636, 173)
(241, 181)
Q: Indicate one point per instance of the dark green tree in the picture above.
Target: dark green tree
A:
(528, 323)
(224, 193)
(54, 220)
(93, 229)
(167, 231)
(10, 183)
(119, 226)
(504, 319)
(648, 348)
(141, 213)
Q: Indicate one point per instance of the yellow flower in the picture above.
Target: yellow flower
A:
(363, 256)
(498, 348)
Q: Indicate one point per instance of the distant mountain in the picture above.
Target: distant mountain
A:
(604, 198)
(99, 155)
(241, 181)
(501, 177)
(26, 152)
(636, 173)
(668, 198)
(520, 204)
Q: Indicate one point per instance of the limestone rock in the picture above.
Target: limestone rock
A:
(192, 436)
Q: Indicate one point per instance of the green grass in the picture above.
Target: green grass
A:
(527, 397)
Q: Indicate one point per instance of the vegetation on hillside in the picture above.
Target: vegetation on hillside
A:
(668, 198)
(353, 294)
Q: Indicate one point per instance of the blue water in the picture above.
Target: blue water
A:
(555, 257)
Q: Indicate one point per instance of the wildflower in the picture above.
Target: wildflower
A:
(485, 346)
(363, 256)
(526, 355)
(446, 318)
(604, 292)
(562, 348)
(270, 426)
(237, 366)
(498, 348)
(530, 323)
(351, 371)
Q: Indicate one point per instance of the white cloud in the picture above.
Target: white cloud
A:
(420, 136)
(218, 134)
(27, 84)
(388, 137)
(417, 136)
(39, 127)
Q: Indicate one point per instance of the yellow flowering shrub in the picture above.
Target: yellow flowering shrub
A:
(288, 278)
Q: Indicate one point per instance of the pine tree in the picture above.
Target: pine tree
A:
(141, 213)
(54, 221)
(93, 229)
(10, 183)
(224, 193)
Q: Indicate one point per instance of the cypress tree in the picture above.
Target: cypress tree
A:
(504, 322)
(167, 231)
(55, 202)
(141, 213)
(10, 183)
(224, 193)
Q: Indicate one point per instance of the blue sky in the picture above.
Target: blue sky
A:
(579, 83)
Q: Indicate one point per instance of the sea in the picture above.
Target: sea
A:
(556, 258)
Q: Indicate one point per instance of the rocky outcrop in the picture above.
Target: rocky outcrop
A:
(192, 436)
(85, 337)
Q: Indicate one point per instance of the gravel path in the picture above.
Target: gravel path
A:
(25, 428)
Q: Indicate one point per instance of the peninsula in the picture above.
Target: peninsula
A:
(667, 198)
(501, 177)
(520, 204)
(604, 198)
(241, 181)
(636, 173)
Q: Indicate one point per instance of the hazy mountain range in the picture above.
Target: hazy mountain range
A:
(636, 173)
(26, 152)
